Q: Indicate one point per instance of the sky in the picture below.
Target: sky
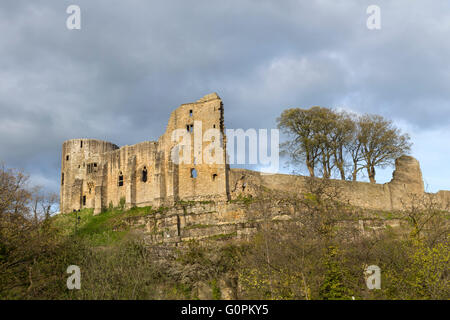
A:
(133, 62)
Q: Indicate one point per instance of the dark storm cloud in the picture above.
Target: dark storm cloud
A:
(133, 62)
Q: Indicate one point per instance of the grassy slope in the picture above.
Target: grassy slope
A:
(104, 229)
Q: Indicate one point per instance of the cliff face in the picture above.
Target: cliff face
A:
(239, 220)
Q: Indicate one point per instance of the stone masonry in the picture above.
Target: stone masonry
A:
(98, 174)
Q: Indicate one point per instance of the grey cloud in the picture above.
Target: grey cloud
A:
(132, 62)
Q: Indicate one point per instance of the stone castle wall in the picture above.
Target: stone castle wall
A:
(97, 174)
(251, 206)
(405, 186)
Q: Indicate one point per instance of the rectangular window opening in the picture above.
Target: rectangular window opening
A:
(120, 180)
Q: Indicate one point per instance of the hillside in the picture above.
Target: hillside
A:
(263, 244)
(312, 248)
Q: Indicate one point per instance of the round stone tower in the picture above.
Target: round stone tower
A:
(407, 173)
(80, 157)
(406, 183)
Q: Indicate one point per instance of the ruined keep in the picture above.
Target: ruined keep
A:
(98, 174)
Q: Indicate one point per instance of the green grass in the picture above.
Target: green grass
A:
(104, 229)
(190, 203)
(247, 200)
(223, 236)
(139, 211)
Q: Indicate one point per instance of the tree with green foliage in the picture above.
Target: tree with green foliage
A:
(381, 143)
(328, 140)
(303, 146)
(333, 286)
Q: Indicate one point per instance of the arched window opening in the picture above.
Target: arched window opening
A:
(214, 177)
(144, 174)
(190, 113)
(193, 173)
(81, 144)
(120, 179)
(84, 200)
(67, 158)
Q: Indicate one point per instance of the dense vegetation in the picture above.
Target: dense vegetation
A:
(317, 256)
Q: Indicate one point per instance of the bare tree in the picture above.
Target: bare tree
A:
(22, 238)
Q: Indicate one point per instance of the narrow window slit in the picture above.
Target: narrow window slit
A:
(144, 175)
(120, 179)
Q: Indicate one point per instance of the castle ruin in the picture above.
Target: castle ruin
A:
(98, 174)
